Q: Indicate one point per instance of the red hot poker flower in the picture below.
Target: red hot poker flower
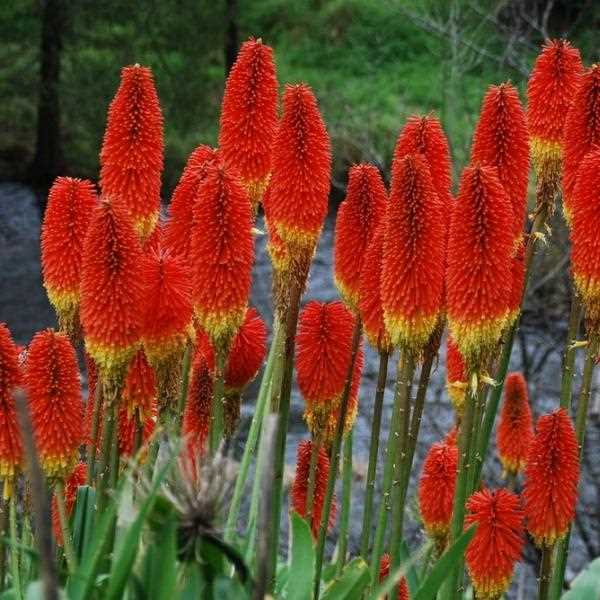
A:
(139, 390)
(359, 215)
(249, 116)
(132, 151)
(76, 479)
(296, 205)
(413, 255)
(222, 254)
(111, 290)
(128, 429)
(581, 131)
(479, 275)
(515, 428)
(553, 82)
(551, 477)
(498, 541)
(55, 402)
(70, 204)
(300, 486)
(11, 450)
(178, 228)
(585, 251)
(384, 571)
(501, 140)
(517, 262)
(436, 489)
(456, 375)
(370, 305)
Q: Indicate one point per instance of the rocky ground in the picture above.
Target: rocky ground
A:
(24, 307)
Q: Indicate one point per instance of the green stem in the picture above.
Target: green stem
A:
(346, 500)
(93, 443)
(545, 572)
(59, 492)
(373, 452)
(335, 459)
(217, 421)
(3, 524)
(570, 352)
(312, 476)
(108, 439)
(185, 380)
(476, 458)
(14, 550)
(251, 442)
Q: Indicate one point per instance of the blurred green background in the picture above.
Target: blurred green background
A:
(370, 62)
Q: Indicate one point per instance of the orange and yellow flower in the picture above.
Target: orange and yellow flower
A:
(515, 428)
(132, 151)
(384, 571)
(76, 479)
(55, 402)
(498, 541)
(358, 217)
(249, 116)
(456, 375)
(551, 477)
(70, 204)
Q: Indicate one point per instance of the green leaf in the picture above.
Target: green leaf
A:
(162, 556)
(443, 567)
(411, 575)
(83, 519)
(351, 583)
(586, 586)
(302, 561)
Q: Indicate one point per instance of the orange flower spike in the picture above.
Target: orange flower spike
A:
(132, 151)
(296, 205)
(515, 428)
(517, 263)
(498, 541)
(585, 249)
(501, 140)
(551, 477)
(128, 426)
(479, 276)
(76, 479)
(249, 116)
(358, 216)
(11, 449)
(178, 228)
(384, 571)
(55, 402)
(581, 131)
(300, 486)
(456, 375)
(222, 254)
(139, 389)
(436, 489)
(111, 290)
(412, 279)
(370, 305)
(552, 85)
(70, 204)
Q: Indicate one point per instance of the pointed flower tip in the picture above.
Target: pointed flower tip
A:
(55, 402)
(498, 541)
(359, 215)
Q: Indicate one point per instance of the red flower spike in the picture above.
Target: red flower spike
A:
(585, 250)
(553, 82)
(299, 490)
(197, 414)
(456, 375)
(139, 389)
(178, 228)
(70, 204)
(296, 205)
(517, 263)
(127, 429)
(501, 140)
(249, 116)
(515, 428)
(132, 151)
(581, 131)
(76, 479)
(166, 319)
(111, 290)
(323, 355)
(551, 477)
(498, 541)
(11, 449)
(384, 571)
(55, 402)
(370, 305)
(479, 275)
(436, 489)
(359, 215)
(222, 254)
(412, 279)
